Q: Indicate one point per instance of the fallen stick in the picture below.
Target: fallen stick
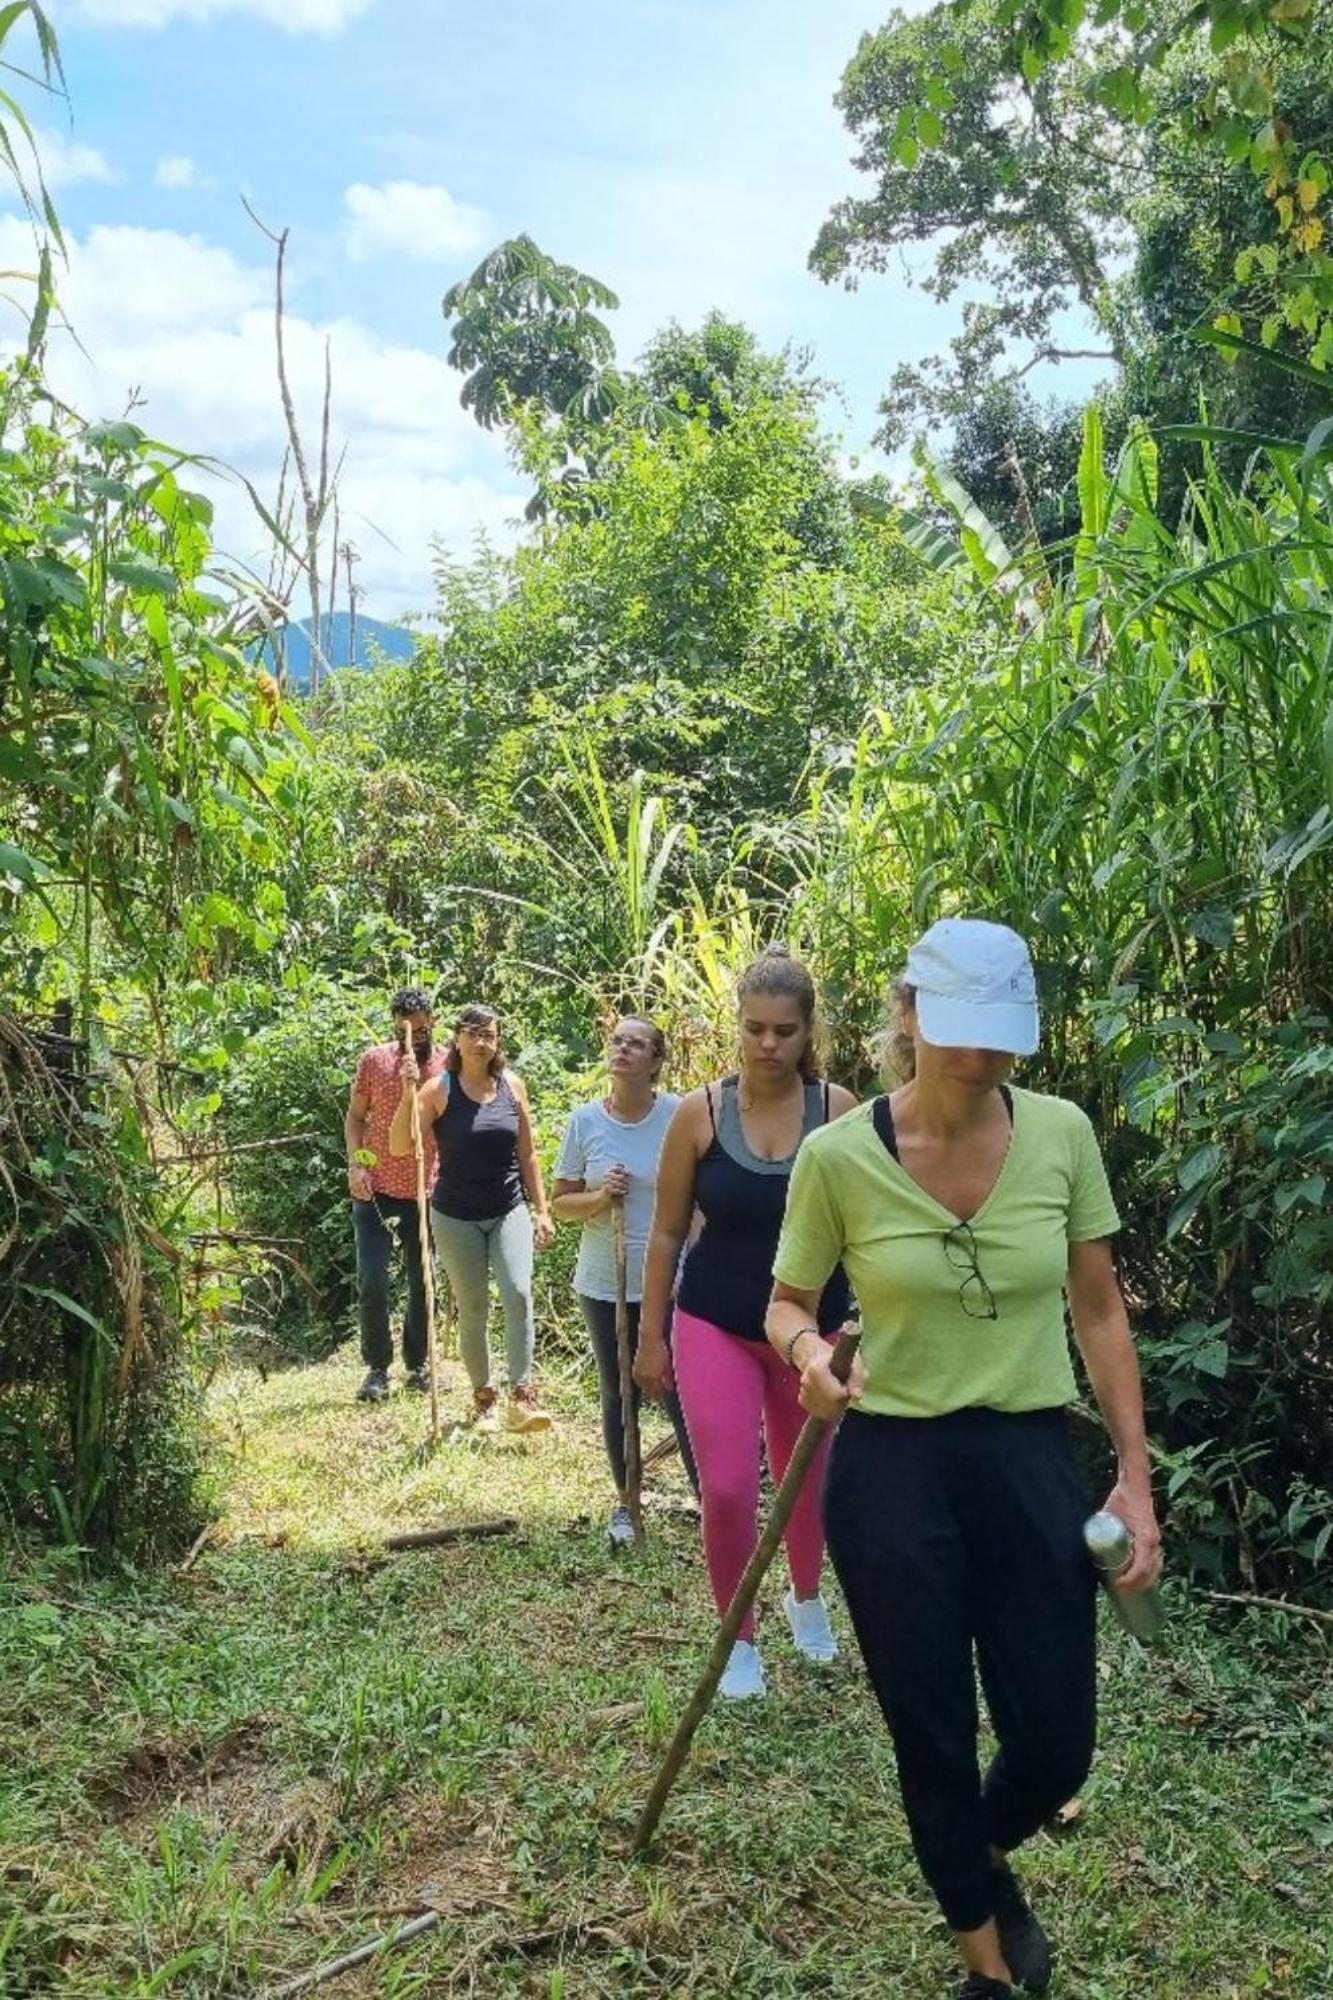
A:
(661, 1451)
(197, 1547)
(460, 1531)
(1269, 1604)
(812, 1434)
(386, 1941)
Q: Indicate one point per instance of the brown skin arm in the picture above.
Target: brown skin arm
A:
(430, 1105)
(529, 1167)
(1101, 1328)
(359, 1184)
(687, 1137)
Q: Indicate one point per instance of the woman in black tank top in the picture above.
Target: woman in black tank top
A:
(728, 1154)
(483, 1227)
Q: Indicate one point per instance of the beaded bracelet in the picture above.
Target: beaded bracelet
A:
(795, 1337)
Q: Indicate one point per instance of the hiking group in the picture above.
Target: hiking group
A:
(963, 1213)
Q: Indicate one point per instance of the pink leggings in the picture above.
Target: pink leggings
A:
(726, 1385)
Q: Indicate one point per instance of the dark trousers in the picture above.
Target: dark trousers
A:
(952, 1536)
(377, 1223)
(600, 1318)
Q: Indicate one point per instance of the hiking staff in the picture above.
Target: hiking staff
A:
(427, 1260)
(807, 1444)
(605, 1179)
(629, 1413)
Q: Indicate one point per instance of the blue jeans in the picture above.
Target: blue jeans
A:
(376, 1222)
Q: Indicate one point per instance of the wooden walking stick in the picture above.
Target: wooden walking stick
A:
(629, 1415)
(427, 1259)
(812, 1432)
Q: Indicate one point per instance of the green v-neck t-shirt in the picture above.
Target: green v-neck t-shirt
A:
(924, 1354)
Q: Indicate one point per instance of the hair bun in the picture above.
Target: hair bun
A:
(776, 951)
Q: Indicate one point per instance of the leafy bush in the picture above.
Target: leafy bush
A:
(291, 1081)
(99, 1438)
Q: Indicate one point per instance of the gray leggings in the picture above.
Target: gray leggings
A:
(470, 1252)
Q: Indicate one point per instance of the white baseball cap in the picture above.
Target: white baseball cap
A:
(975, 987)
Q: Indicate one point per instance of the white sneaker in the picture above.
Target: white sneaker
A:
(743, 1675)
(810, 1628)
(620, 1528)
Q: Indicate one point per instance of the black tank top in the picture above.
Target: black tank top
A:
(477, 1148)
(728, 1274)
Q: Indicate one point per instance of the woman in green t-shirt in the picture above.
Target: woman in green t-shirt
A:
(964, 1211)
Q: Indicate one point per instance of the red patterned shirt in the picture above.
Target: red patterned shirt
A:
(377, 1082)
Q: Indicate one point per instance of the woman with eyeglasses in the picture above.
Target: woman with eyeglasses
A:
(488, 1206)
(610, 1152)
(729, 1154)
(966, 1211)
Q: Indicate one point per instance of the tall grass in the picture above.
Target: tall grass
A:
(1135, 775)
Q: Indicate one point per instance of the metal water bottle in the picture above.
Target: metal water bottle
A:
(1111, 1546)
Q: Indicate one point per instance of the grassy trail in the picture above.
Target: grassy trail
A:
(210, 1782)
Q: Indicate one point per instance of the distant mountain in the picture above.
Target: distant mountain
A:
(374, 640)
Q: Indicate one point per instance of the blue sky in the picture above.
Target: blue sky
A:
(685, 153)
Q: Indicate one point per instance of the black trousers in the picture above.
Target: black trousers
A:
(600, 1318)
(954, 1538)
(376, 1223)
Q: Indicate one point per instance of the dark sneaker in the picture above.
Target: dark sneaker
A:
(418, 1379)
(1022, 1939)
(977, 1987)
(375, 1388)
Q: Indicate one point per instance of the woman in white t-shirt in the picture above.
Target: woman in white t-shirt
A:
(610, 1149)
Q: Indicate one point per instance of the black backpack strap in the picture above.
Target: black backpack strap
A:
(881, 1113)
(1008, 1097)
(826, 1100)
(708, 1100)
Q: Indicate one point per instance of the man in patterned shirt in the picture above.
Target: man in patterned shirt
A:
(384, 1196)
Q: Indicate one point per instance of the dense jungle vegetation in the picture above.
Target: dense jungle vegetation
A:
(722, 691)
(1073, 670)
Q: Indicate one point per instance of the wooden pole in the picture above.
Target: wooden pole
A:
(427, 1258)
(812, 1434)
(629, 1415)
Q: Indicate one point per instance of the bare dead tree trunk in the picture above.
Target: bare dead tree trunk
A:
(317, 489)
(350, 558)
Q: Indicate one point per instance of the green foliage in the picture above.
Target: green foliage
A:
(292, 1080)
(1036, 163)
(524, 326)
(1131, 772)
(99, 1443)
(146, 769)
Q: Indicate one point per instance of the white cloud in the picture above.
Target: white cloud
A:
(189, 327)
(297, 17)
(410, 219)
(64, 160)
(178, 170)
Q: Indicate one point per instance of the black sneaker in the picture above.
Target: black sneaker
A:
(375, 1388)
(978, 1987)
(418, 1379)
(1022, 1939)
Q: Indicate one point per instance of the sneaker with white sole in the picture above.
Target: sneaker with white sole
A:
(743, 1676)
(810, 1629)
(620, 1528)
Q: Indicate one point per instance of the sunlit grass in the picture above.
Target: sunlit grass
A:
(209, 1782)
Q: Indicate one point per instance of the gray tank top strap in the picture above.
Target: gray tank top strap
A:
(730, 1131)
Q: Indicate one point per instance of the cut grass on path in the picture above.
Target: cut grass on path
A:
(210, 1782)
